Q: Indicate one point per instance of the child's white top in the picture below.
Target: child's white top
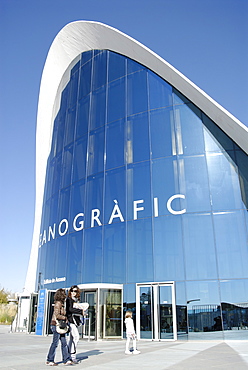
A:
(129, 325)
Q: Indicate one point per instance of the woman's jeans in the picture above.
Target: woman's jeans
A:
(64, 349)
(73, 341)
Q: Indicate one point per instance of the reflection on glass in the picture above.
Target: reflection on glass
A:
(90, 324)
(231, 242)
(200, 256)
(224, 182)
(110, 304)
(146, 319)
(165, 313)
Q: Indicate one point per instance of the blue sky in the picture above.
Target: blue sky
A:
(206, 40)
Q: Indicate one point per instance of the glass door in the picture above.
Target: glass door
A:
(156, 311)
(90, 323)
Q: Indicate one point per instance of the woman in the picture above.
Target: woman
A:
(58, 314)
(73, 316)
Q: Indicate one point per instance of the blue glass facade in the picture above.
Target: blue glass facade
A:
(142, 186)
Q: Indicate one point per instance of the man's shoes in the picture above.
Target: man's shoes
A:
(136, 352)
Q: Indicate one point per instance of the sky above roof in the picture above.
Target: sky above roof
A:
(205, 40)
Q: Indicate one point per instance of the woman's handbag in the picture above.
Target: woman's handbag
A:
(62, 326)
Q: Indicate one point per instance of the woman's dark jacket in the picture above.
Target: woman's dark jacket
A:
(72, 313)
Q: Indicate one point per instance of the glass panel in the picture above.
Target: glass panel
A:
(146, 314)
(92, 256)
(94, 200)
(242, 161)
(178, 98)
(137, 145)
(164, 184)
(200, 257)
(67, 166)
(56, 174)
(85, 80)
(60, 134)
(215, 139)
(82, 117)
(77, 204)
(72, 98)
(162, 133)
(49, 266)
(79, 159)
(114, 257)
(234, 304)
(189, 131)
(116, 100)
(98, 108)
(231, 244)
(99, 70)
(90, 297)
(181, 310)
(111, 302)
(70, 126)
(64, 199)
(117, 65)
(168, 250)
(59, 269)
(223, 181)
(160, 92)
(133, 66)
(115, 196)
(137, 97)
(165, 312)
(139, 254)
(139, 191)
(129, 300)
(75, 69)
(203, 309)
(54, 205)
(194, 185)
(115, 154)
(96, 151)
(74, 258)
(86, 56)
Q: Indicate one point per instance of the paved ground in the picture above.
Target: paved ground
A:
(27, 351)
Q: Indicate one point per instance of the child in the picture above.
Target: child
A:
(130, 333)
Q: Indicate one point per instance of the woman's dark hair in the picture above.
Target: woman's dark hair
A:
(72, 288)
(60, 295)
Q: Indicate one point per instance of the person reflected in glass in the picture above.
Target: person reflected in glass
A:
(74, 318)
(58, 314)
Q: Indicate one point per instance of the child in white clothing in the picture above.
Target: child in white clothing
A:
(130, 333)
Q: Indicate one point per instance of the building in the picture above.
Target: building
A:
(142, 193)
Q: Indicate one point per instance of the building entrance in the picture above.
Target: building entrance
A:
(156, 311)
(104, 319)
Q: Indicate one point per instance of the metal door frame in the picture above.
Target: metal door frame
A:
(155, 309)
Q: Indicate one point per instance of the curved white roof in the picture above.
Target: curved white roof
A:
(80, 36)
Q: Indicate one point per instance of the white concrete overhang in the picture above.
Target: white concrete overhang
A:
(80, 36)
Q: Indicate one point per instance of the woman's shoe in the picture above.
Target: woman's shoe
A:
(136, 352)
(128, 352)
(75, 362)
(68, 363)
(50, 363)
